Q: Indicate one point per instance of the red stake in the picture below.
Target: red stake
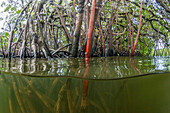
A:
(85, 87)
(90, 32)
(87, 55)
(137, 36)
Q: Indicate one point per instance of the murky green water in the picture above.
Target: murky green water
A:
(103, 85)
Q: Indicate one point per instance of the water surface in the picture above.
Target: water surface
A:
(96, 68)
(103, 85)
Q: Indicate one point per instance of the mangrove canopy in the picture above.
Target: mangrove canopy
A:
(62, 28)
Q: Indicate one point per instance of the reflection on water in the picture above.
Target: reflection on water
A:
(37, 94)
(98, 68)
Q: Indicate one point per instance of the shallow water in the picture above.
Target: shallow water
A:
(96, 68)
(103, 85)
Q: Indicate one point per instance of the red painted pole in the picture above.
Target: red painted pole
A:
(85, 87)
(87, 55)
(90, 31)
(137, 36)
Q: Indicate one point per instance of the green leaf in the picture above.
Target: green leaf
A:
(13, 9)
(19, 11)
(53, 7)
(3, 38)
(7, 8)
(72, 8)
(6, 34)
(32, 14)
(15, 39)
(108, 5)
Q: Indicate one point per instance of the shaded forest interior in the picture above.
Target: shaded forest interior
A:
(51, 28)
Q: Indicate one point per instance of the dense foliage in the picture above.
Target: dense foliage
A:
(59, 28)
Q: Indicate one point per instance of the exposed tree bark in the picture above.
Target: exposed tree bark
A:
(78, 29)
(96, 27)
(63, 23)
(101, 33)
(55, 37)
(46, 50)
(128, 20)
(109, 29)
(23, 48)
(2, 49)
(61, 48)
(8, 51)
